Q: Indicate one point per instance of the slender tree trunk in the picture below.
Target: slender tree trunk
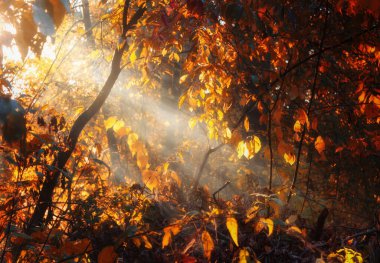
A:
(87, 21)
(51, 179)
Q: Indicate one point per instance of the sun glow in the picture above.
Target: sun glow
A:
(9, 48)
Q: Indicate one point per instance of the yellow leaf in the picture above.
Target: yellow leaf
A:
(165, 167)
(183, 78)
(208, 244)
(228, 133)
(269, 224)
(164, 52)
(110, 122)
(107, 255)
(192, 122)
(133, 57)
(151, 179)
(319, 144)
(241, 149)
(244, 256)
(176, 57)
(295, 229)
(246, 124)
(232, 227)
(118, 125)
(290, 158)
(181, 100)
(220, 115)
(255, 144)
(297, 126)
(133, 142)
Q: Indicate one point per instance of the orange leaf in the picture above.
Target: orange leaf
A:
(319, 144)
(246, 124)
(232, 227)
(151, 179)
(290, 158)
(169, 231)
(268, 223)
(208, 244)
(297, 126)
(107, 255)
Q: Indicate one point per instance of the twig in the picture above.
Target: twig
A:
(217, 191)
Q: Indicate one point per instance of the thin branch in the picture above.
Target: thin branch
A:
(313, 92)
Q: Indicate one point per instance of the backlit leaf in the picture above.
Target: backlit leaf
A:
(246, 124)
(169, 232)
(297, 126)
(133, 57)
(244, 256)
(110, 122)
(208, 244)
(192, 122)
(118, 125)
(232, 227)
(183, 78)
(151, 179)
(319, 144)
(290, 158)
(269, 224)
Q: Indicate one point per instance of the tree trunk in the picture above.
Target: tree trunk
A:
(87, 21)
(51, 179)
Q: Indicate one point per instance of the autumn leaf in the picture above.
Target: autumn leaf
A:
(297, 126)
(151, 179)
(107, 255)
(265, 223)
(169, 232)
(232, 227)
(183, 78)
(241, 149)
(133, 57)
(118, 125)
(290, 158)
(246, 124)
(110, 122)
(208, 244)
(142, 160)
(181, 100)
(319, 144)
(192, 122)
(244, 256)
(295, 229)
